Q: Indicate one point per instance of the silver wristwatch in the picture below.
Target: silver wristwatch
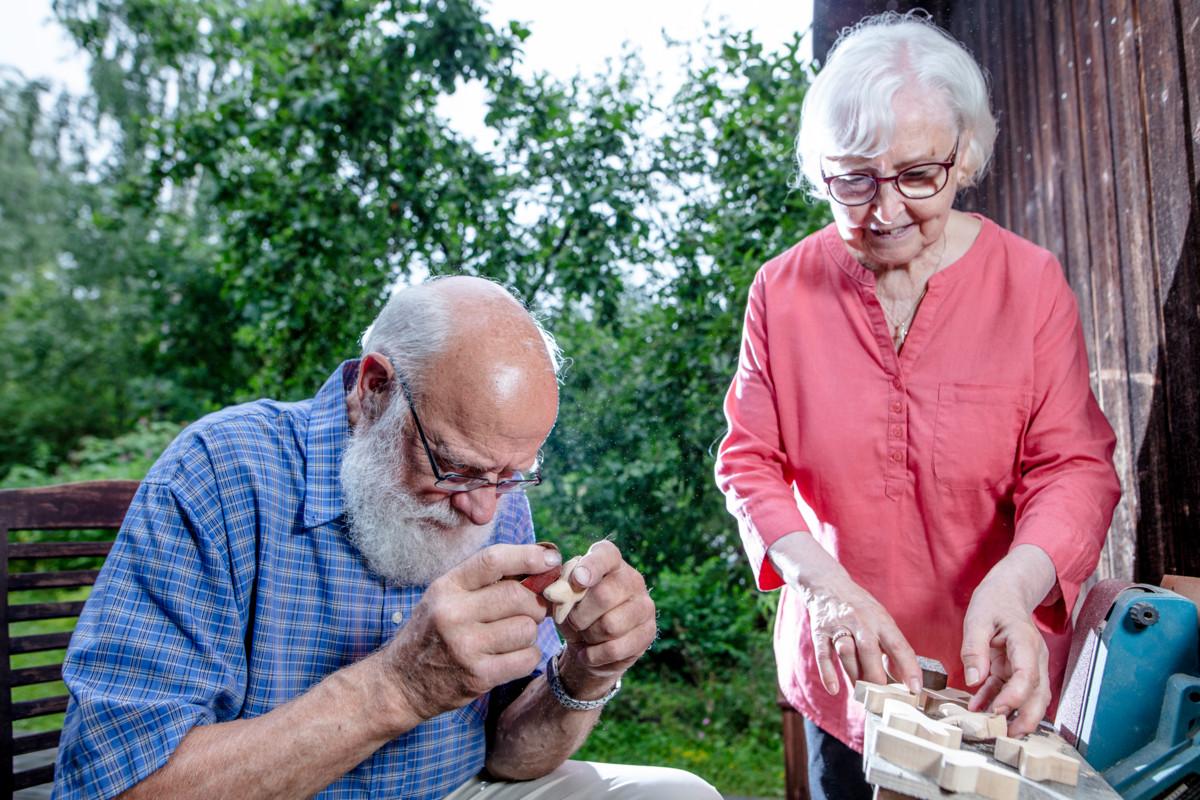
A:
(560, 693)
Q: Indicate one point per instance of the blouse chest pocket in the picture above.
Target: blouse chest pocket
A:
(976, 434)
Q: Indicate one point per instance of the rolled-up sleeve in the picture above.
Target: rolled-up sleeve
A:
(751, 464)
(159, 647)
(1067, 488)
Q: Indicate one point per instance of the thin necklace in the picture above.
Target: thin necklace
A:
(900, 329)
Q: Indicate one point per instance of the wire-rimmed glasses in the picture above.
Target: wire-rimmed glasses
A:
(454, 481)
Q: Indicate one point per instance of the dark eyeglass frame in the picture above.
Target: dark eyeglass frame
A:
(455, 481)
(893, 179)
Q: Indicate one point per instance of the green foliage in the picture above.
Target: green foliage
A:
(710, 620)
(127, 457)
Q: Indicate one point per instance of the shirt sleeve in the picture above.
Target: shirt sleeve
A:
(1067, 489)
(751, 463)
(160, 646)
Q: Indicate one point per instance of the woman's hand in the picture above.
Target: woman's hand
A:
(1003, 652)
(849, 626)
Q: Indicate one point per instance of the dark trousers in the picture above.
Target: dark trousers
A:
(835, 771)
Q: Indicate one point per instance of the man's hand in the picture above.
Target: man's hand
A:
(1004, 654)
(472, 631)
(610, 627)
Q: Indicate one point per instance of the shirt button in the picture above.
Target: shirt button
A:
(896, 384)
(897, 456)
(896, 407)
(397, 617)
(897, 431)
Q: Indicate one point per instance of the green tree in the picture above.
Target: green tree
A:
(274, 168)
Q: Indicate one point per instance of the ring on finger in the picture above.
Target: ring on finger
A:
(840, 633)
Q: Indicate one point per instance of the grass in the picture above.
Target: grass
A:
(727, 729)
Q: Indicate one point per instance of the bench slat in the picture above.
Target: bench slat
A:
(39, 707)
(57, 549)
(39, 642)
(35, 742)
(52, 580)
(27, 676)
(27, 611)
(33, 777)
(68, 506)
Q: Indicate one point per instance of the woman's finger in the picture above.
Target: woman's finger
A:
(847, 652)
(870, 659)
(901, 656)
(1030, 714)
(1024, 658)
(985, 693)
(823, 648)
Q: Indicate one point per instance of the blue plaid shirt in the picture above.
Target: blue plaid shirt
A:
(231, 589)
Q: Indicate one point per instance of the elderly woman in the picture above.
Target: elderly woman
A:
(914, 452)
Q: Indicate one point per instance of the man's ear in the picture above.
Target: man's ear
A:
(374, 377)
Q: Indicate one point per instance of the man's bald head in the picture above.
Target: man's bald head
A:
(466, 327)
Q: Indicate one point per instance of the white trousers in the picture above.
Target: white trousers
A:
(587, 780)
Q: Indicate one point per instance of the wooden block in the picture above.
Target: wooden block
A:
(932, 698)
(997, 783)
(1043, 760)
(872, 695)
(908, 752)
(933, 674)
(860, 690)
(965, 771)
(561, 594)
(976, 726)
(1040, 758)
(1008, 751)
(958, 770)
(903, 717)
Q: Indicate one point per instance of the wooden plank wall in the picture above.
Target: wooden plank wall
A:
(1098, 160)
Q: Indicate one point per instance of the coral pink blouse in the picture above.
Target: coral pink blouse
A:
(917, 471)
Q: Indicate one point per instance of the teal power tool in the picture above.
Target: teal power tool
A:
(1131, 700)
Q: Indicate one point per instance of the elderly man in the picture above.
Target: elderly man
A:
(317, 597)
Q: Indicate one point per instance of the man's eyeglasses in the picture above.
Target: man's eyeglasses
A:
(455, 482)
(917, 182)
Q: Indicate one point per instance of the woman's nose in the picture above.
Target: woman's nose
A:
(887, 203)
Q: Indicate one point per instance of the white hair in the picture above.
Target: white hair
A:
(403, 539)
(848, 110)
(415, 325)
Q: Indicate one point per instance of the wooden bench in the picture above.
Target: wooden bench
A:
(44, 561)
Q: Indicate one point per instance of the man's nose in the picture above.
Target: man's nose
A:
(479, 506)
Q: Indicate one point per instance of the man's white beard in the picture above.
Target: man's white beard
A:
(405, 541)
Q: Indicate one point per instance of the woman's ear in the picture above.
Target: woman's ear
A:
(966, 165)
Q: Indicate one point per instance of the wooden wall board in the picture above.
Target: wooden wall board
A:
(1139, 281)
(1171, 165)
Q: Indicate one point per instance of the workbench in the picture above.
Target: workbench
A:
(889, 779)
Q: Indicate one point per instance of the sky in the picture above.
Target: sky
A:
(568, 37)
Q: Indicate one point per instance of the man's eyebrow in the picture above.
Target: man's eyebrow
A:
(449, 457)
